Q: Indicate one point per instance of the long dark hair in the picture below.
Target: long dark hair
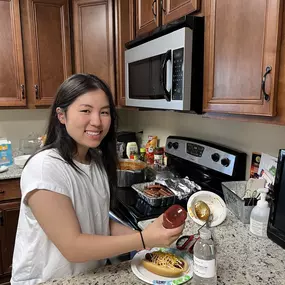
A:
(57, 137)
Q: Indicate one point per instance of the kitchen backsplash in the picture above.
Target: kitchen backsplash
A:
(245, 136)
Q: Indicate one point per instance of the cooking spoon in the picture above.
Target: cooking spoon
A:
(203, 212)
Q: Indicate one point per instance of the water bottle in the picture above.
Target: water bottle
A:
(205, 269)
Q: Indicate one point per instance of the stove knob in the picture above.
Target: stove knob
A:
(215, 157)
(225, 162)
(169, 145)
(175, 145)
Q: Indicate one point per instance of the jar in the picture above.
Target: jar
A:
(142, 153)
(158, 155)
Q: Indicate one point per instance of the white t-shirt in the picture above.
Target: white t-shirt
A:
(36, 259)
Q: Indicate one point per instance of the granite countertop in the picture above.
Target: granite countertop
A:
(13, 171)
(242, 259)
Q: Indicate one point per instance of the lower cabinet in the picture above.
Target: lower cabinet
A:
(10, 197)
(9, 214)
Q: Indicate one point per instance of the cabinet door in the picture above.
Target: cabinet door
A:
(94, 39)
(174, 9)
(9, 214)
(124, 23)
(50, 47)
(147, 15)
(242, 39)
(12, 80)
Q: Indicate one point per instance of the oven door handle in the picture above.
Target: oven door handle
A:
(167, 57)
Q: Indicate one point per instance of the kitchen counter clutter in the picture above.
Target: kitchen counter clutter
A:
(242, 259)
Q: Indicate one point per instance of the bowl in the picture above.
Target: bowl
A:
(216, 204)
(21, 160)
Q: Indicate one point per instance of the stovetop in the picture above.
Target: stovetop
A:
(205, 163)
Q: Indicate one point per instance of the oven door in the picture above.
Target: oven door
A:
(155, 74)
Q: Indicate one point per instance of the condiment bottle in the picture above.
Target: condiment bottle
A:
(174, 217)
(158, 156)
(142, 153)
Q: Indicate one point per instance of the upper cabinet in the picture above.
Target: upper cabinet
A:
(174, 9)
(49, 44)
(147, 16)
(150, 14)
(93, 29)
(242, 43)
(12, 78)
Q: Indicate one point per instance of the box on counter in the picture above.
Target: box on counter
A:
(6, 157)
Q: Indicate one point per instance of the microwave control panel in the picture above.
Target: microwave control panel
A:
(177, 74)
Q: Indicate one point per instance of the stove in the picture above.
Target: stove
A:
(206, 163)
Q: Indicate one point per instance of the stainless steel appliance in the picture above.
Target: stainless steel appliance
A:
(276, 223)
(165, 70)
(205, 163)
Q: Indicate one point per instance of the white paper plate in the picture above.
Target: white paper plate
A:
(216, 204)
(152, 278)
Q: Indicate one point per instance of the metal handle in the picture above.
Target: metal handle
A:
(23, 91)
(2, 191)
(267, 71)
(37, 92)
(152, 9)
(161, 5)
(167, 57)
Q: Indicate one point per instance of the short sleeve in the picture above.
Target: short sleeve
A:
(45, 170)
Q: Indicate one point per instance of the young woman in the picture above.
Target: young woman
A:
(64, 227)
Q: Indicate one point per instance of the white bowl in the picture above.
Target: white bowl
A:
(21, 160)
(216, 204)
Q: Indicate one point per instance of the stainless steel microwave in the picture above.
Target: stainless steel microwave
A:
(165, 70)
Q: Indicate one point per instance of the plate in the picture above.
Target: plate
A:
(152, 278)
(216, 204)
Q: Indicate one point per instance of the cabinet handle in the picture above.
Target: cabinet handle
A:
(23, 91)
(152, 8)
(2, 191)
(267, 71)
(162, 6)
(37, 92)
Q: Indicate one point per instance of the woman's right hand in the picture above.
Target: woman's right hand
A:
(157, 235)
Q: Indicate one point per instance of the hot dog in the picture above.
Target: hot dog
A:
(164, 264)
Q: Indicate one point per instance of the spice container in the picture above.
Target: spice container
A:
(174, 217)
(142, 153)
(158, 155)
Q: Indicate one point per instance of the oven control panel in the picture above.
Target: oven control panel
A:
(211, 157)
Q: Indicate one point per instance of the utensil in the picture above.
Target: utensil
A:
(203, 212)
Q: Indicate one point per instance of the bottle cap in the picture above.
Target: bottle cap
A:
(205, 233)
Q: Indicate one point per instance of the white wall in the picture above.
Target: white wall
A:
(17, 124)
(244, 136)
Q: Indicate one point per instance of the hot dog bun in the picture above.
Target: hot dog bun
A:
(164, 264)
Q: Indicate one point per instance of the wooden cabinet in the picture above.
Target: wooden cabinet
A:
(9, 213)
(150, 14)
(94, 39)
(123, 33)
(242, 41)
(12, 79)
(49, 45)
(174, 9)
(147, 16)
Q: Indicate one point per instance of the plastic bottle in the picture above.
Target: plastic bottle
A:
(259, 215)
(205, 269)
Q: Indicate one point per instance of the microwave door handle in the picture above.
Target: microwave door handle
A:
(167, 57)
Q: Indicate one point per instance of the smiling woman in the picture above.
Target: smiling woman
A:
(64, 227)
